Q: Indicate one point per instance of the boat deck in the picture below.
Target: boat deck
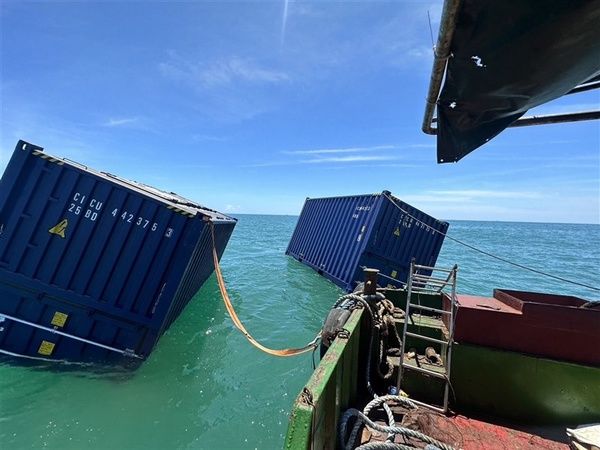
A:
(485, 303)
(467, 433)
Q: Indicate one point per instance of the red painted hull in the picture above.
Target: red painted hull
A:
(549, 326)
(478, 435)
(468, 433)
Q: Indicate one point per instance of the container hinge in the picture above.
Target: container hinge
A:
(130, 353)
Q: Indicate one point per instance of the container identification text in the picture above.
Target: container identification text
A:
(79, 205)
(131, 218)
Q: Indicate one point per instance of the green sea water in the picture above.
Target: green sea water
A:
(206, 387)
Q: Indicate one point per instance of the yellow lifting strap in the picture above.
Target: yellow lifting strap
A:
(286, 352)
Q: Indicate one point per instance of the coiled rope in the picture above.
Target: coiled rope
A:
(520, 266)
(311, 346)
(363, 418)
(375, 321)
(346, 442)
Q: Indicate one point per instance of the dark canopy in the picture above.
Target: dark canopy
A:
(507, 56)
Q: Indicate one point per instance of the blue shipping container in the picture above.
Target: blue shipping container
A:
(94, 267)
(340, 236)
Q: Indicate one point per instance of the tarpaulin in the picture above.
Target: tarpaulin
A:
(508, 57)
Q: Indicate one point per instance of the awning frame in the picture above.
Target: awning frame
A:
(442, 53)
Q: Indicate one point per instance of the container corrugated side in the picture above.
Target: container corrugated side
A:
(403, 232)
(87, 243)
(340, 236)
(330, 234)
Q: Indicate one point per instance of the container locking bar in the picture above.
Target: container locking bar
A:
(127, 352)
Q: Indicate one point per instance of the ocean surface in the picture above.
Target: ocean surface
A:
(206, 387)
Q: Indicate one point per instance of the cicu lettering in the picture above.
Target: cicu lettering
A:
(89, 209)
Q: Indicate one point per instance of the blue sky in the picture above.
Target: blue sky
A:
(250, 107)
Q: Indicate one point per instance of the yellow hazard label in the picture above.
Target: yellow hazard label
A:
(180, 211)
(46, 348)
(59, 228)
(397, 232)
(394, 273)
(59, 319)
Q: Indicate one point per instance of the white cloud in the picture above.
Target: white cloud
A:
(220, 73)
(475, 194)
(339, 150)
(211, 138)
(348, 159)
(230, 89)
(121, 122)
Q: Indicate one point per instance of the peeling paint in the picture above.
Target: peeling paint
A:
(477, 60)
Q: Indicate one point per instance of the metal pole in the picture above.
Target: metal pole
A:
(441, 54)
(370, 281)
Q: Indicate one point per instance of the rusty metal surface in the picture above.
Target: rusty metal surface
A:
(468, 433)
(329, 391)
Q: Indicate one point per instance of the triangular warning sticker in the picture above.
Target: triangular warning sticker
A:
(397, 232)
(59, 228)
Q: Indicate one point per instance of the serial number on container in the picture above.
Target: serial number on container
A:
(131, 218)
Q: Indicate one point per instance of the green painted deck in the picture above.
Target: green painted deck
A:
(331, 389)
(485, 381)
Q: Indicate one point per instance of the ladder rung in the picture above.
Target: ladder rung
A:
(429, 286)
(425, 371)
(431, 269)
(417, 276)
(439, 409)
(426, 282)
(426, 290)
(429, 308)
(427, 338)
(437, 269)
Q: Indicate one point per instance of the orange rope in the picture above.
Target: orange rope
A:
(236, 320)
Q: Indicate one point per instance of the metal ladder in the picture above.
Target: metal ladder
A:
(440, 280)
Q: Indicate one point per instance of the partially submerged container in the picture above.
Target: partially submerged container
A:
(340, 236)
(94, 267)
